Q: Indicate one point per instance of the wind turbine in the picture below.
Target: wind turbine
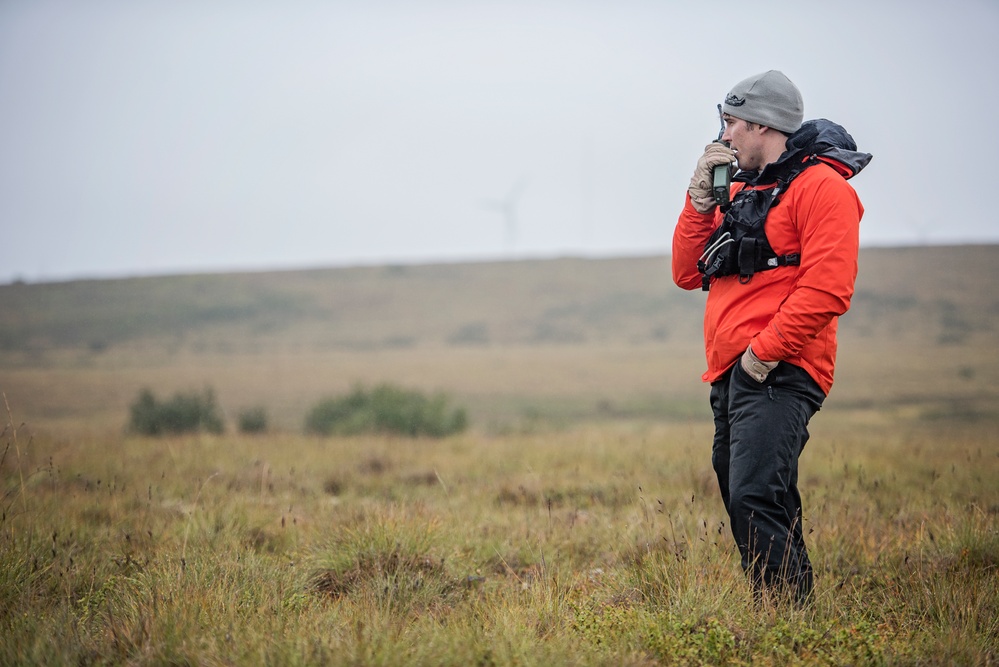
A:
(508, 208)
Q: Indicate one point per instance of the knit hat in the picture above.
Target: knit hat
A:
(768, 99)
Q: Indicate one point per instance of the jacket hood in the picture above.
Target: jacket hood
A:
(819, 138)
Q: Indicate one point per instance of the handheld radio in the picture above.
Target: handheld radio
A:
(722, 173)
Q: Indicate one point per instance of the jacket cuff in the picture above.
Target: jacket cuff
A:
(764, 347)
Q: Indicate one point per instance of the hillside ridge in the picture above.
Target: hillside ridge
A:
(926, 291)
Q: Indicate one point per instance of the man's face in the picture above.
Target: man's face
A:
(745, 139)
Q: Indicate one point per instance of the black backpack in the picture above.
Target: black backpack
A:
(739, 246)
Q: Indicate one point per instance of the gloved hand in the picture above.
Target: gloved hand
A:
(756, 367)
(701, 195)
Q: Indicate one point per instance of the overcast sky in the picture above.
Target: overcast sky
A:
(161, 136)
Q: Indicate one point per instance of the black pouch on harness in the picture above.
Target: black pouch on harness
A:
(739, 246)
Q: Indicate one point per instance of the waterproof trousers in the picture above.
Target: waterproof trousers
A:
(760, 431)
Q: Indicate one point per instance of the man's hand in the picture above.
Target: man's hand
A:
(756, 367)
(701, 196)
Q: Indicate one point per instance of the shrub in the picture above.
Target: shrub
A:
(385, 409)
(184, 413)
(253, 420)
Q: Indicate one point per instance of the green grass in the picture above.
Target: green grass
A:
(595, 545)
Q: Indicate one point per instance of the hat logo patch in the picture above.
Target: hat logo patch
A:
(734, 101)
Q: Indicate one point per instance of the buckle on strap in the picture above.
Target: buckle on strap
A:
(793, 259)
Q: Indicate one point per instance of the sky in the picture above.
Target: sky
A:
(149, 137)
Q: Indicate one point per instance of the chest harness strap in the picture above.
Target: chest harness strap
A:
(739, 246)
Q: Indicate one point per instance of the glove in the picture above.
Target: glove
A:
(700, 190)
(756, 367)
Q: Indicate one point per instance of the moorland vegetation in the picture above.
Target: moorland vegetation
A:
(573, 520)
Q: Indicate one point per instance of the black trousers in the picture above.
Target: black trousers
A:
(760, 431)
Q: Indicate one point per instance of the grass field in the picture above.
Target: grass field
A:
(577, 521)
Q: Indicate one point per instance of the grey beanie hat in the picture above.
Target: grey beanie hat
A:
(768, 99)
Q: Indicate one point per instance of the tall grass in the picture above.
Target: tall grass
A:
(597, 545)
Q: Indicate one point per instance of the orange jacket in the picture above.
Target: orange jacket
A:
(789, 313)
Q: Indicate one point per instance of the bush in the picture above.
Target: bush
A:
(184, 413)
(253, 420)
(385, 409)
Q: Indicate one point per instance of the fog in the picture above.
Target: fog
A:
(155, 137)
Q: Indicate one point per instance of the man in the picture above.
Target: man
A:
(779, 265)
